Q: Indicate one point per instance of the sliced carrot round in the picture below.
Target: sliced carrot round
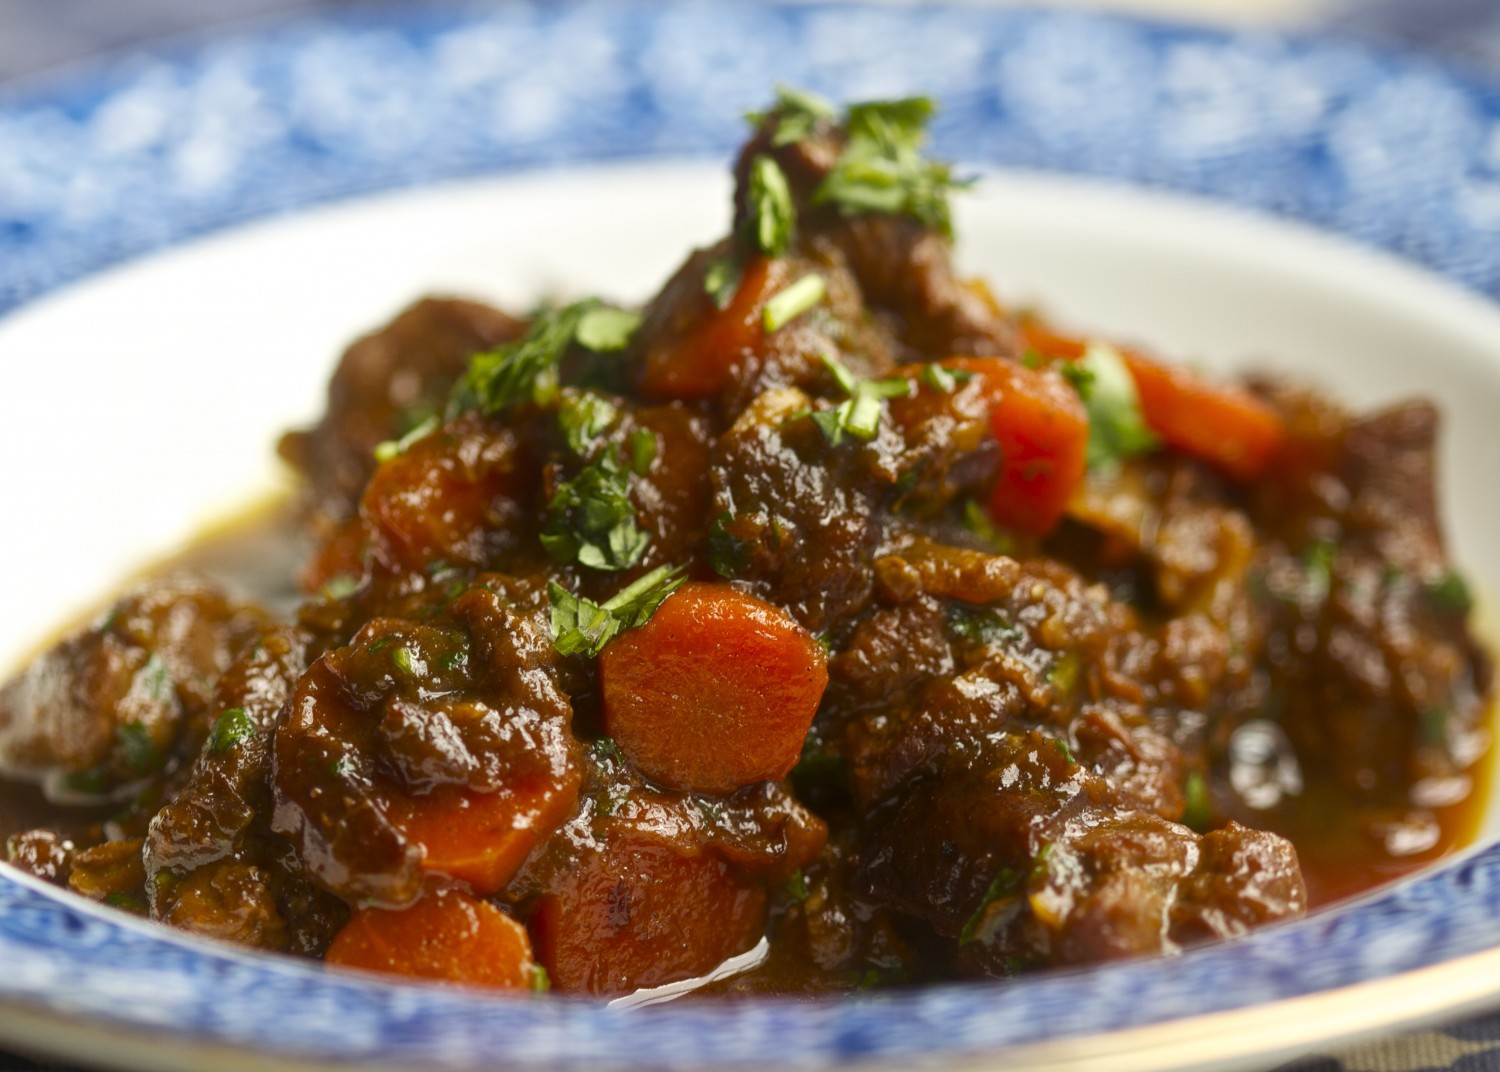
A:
(446, 935)
(715, 692)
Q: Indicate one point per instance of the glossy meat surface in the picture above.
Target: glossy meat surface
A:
(825, 601)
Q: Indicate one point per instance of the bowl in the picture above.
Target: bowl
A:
(188, 239)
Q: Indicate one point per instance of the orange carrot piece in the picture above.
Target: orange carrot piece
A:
(715, 692)
(1036, 417)
(696, 351)
(483, 838)
(1225, 425)
(640, 911)
(446, 936)
(1221, 423)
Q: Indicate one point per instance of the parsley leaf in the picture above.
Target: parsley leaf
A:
(728, 553)
(605, 330)
(982, 625)
(788, 304)
(232, 727)
(796, 112)
(882, 169)
(384, 452)
(986, 919)
(583, 416)
(944, 380)
(137, 748)
(591, 519)
(643, 448)
(1116, 428)
(773, 216)
(721, 281)
(1198, 807)
(522, 371)
(859, 414)
(581, 626)
(978, 521)
(1450, 593)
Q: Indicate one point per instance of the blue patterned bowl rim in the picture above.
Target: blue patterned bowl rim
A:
(111, 161)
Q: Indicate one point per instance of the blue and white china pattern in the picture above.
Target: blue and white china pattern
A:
(156, 148)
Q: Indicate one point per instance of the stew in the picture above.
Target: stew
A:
(826, 606)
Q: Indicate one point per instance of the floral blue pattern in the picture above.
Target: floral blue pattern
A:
(153, 149)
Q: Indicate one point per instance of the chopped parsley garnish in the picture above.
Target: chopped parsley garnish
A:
(978, 521)
(1317, 560)
(773, 216)
(583, 417)
(606, 330)
(882, 169)
(859, 414)
(1198, 807)
(127, 902)
(340, 586)
(787, 305)
(1116, 428)
(591, 519)
(527, 370)
(728, 553)
(1450, 593)
(643, 448)
(408, 662)
(541, 982)
(230, 729)
(522, 371)
(796, 112)
(945, 380)
(721, 281)
(582, 627)
(1066, 750)
(982, 625)
(796, 886)
(137, 748)
(986, 919)
(384, 452)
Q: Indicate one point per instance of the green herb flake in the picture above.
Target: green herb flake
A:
(339, 587)
(882, 169)
(137, 748)
(788, 304)
(591, 519)
(231, 728)
(605, 751)
(796, 886)
(1065, 673)
(944, 380)
(1198, 806)
(582, 627)
(978, 521)
(541, 982)
(985, 920)
(859, 414)
(1317, 563)
(384, 452)
(1067, 752)
(606, 330)
(643, 448)
(721, 282)
(982, 625)
(797, 113)
(523, 371)
(1450, 593)
(728, 553)
(773, 216)
(1079, 376)
(583, 417)
(1116, 428)
(410, 664)
(126, 902)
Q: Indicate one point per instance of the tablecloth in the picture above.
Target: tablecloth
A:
(38, 35)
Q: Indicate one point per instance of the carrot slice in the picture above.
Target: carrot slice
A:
(695, 351)
(1038, 420)
(446, 935)
(483, 838)
(715, 692)
(1221, 423)
(640, 911)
